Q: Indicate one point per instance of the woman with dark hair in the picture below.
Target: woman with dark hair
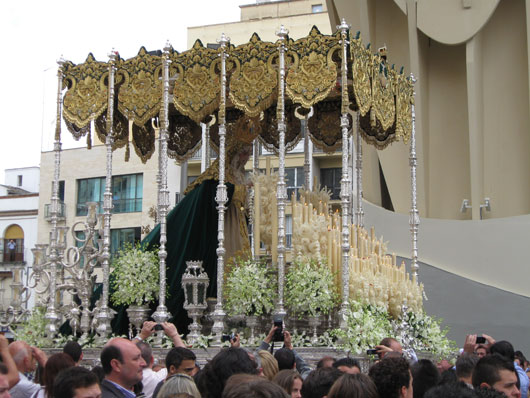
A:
(425, 375)
(291, 381)
(54, 365)
(353, 386)
(226, 363)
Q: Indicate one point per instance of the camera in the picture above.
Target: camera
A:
(481, 340)
(278, 333)
(158, 327)
(228, 337)
(371, 351)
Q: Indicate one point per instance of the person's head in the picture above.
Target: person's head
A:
(4, 382)
(54, 365)
(353, 386)
(99, 372)
(258, 388)
(76, 382)
(291, 381)
(392, 377)
(23, 356)
(75, 351)
(391, 343)
(181, 360)
(269, 364)
(485, 392)
(494, 371)
(318, 383)
(285, 358)
(481, 351)
(520, 359)
(503, 348)
(239, 378)
(443, 364)
(325, 362)
(425, 375)
(147, 353)
(179, 385)
(464, 367)
(226, 363)
(450, 390)
(347, 365)
(122, 362)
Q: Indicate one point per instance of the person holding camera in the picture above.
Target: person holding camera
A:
(150, 377)
(286, 356)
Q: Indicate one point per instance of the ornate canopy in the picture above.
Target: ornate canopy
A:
(382, 96)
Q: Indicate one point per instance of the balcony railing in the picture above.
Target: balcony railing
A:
(118, 206)
(48, 211)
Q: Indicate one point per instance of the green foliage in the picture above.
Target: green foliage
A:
(310, 288)
(33, 330)
(366, 327)
(250, 288)
(135, 275)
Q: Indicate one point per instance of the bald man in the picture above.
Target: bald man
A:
(123, 364)
(26, 359)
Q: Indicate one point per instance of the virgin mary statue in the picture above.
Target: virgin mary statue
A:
(192, 223)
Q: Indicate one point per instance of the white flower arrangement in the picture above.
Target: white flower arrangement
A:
(367, 325)
(250, 288)
(135, 276)
(428, 335)
(310, 288)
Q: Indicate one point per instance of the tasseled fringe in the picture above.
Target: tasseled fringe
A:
(89, 135)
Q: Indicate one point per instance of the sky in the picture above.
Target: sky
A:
(34, 34)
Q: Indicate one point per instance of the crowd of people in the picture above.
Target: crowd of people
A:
(128, 370)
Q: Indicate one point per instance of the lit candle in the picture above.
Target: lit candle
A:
(268, 166)
(310, 212)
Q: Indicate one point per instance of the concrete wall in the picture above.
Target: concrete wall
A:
(30, 178)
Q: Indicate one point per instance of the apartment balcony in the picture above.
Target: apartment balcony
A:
(48, 212)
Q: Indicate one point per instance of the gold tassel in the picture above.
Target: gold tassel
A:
(372, 117)
(129, 138)
(89, 135)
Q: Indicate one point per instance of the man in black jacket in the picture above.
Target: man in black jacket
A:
(123, 364)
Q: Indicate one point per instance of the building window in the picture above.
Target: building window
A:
(294, 180)
(118, 237)
(19, 180)
(13, 244)
(330, 178)
(288, 231)
(127, 193)
(316, 8)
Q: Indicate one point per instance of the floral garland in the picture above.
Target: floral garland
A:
(135, 275)
(310, 288)
(250, 288)
(366, 326)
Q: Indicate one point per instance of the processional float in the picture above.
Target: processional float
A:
(332, 86)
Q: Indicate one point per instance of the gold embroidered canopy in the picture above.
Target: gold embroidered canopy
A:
(382, 96)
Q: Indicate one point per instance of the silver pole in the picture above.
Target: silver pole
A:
(161, 314)
(281, 193)
(345, 187)
(51, 314)
(252, 203)
(104, 317)
(359, 214)
(414, 218)
(221, 199)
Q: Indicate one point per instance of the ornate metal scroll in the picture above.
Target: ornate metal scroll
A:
(404, 99)
(345, 187)
(196, 92)
(281, 192)
(161, 314)
(414, 218)
(104, 316)
(383, 81)
(221, 198)
(51, 315)
(362, 71)
(86, 97)
(254, 81)
(313, 75)
(140, 94)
